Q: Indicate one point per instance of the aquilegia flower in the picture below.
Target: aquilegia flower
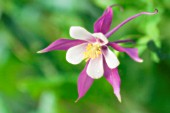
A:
(93, 48)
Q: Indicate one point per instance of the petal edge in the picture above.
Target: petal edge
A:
(80, 33)
(110, 58)
(75, 54)
(95, 68)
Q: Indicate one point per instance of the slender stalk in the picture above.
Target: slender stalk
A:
(127, 20)
(124, 41)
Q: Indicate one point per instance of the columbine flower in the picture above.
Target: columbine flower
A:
(93, 48)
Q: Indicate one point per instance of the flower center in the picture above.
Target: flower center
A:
(92, 51)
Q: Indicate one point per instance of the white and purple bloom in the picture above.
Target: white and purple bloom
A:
(94, 49)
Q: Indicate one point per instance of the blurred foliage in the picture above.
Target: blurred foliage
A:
(46, 83)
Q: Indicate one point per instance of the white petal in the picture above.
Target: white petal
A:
(75, 54)
(111, 58)
(80, 33)
(95, 68)
(102, 37)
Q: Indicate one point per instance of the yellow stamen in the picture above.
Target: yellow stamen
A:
(92, 51)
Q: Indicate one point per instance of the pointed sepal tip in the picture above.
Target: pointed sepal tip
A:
(141, 60)
(41, 51)
(119, 98)
(117, 94)
(77, 100)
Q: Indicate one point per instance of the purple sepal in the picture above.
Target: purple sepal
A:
(104, 22)
(132, 52)
(84, 83)
(112, 76)
(61, 44)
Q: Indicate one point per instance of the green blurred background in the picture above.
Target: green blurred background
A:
(46, 83)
